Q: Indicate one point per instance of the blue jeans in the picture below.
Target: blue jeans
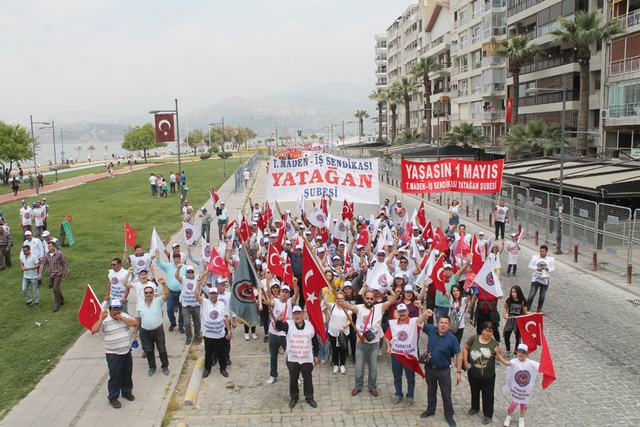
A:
(532, 294)
(275, 342)
(397, 368)
(25, 290)
(366, 353)
(172, 302)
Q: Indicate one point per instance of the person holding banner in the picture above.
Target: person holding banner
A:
(402, 337)
(302, 350)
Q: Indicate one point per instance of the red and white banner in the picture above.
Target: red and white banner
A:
(322, 175)
(165, 131)
(465, 176)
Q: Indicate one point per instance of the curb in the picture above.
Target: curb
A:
(194, 384)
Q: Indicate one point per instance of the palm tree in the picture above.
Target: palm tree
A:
(465, 135)
(361, 115)
(582, 32)
(393, 97)
(379, 97)
(405, 87)
(517, 52)
(535, 138)
(409, 136)
(420, 71)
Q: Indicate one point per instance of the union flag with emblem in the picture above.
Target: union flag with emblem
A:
(245, 283)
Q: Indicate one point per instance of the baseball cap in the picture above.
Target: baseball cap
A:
(296, 309)
(318, 237)
(335, 257)
(115, 303)
(189, 268)
(421, 248)
(175, 245)
(307, 233)
(347, 284)
(447, 265)
(220, 280)
(523, 347)
(481, 232)
(321, 249)
(213, 290)
(399, 275)
(28, 233)
(359, 247)
(222, 203)
(381, 252)
(299, 247)
(513, 234)
(46, 233)
(341, 243)
(408, 288)
(287, 242)
(429, 240)
(285, 288)
(150, 285)
(401, 307)
(275, 285)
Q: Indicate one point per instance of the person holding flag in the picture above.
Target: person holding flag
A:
(443, 299)
(279, 308)
(223, 218)
(302, 349)
(520, 379)
(402, 343)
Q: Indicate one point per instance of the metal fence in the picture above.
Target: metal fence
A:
(249, 165)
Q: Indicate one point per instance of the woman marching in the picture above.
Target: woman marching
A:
(457, 311)
(338, 333)
(514, 306)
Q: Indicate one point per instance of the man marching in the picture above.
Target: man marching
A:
(190, 305)
(215, 321)
(302, 354)
(280, 308)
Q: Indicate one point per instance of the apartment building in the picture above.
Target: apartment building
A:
(621, 106)
(381, 74)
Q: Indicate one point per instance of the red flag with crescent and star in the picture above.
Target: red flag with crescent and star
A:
(165, 131)
(407, 360)
(268, 214)
(217, 264)
(274, 262)
(437, 275)
(476, 256)
(347, 210)
(245, 230)
(312, 283)
(130, 235)
(324, 205)
(422, 215)
(546, 363)
(363, 237)
(214, 196)
(90, 309)
(440, 240)
(287, 276)
(532, 332)
(427, 233)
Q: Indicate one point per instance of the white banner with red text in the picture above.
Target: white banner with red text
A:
(320, 174)
(464, 176)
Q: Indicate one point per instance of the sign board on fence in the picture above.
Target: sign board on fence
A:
(537, 201)
(584, 213)
(465, 176)
(321, 174)
(612, 219)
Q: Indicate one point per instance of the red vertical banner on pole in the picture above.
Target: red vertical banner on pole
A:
(509, 111)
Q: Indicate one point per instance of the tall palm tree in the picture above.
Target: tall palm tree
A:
(585, 30)
(361, 115)
(405, 87)
(393, 97)
(379, 97)
(517, 52)
(535, 138)
(465, 135)
(420, 71)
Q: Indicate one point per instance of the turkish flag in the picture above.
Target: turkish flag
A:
(245, 230)
(214, 196)
(324, 206)
(261, 222)
(217, 265)
(90, 309)
(476, 257)
(406, 236)
(530, 327)
(422, 215)
(130, 235)
(165, 131)
(407, 360)
(437, 275)
(462, 248)
(546, 363)
(324, 233)
(280, 238)
(288, 273)
(274, 262)
(268, 214)
(312, 284)
(509, 111)
(427, 233)
(363, 237)
(347, 210)
(440, 240)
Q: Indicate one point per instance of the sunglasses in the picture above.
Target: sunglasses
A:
(149, 293)
(113, 264)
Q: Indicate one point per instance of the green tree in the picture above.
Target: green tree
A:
(534, 138)
(361, 115)
(378, 96)
(393, 97)
(15, 146)
(409, 136)
(194, 138)
(404, 88)
(580, 33)
(465, 135)
(420, 71)
(517, 52)
(141, 138)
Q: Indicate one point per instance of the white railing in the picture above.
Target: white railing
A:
(464, 68)
(624, 66)
(630, 19)
(492, 88)
(488, 116)
(625, 110)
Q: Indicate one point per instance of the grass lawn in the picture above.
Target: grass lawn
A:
(99, 210)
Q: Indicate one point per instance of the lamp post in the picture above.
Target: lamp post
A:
(224, 157)
(61, 147)
(55, 161)
(562, 136)
(33, 145)
(174, 111)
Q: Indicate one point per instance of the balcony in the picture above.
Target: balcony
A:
(629, 65)
(625, 110)
(630, 19)
(488, 116)
(548, 98)
(493, 89)
(492, 60)
(464, 68)
(544, 64)
(518, 7)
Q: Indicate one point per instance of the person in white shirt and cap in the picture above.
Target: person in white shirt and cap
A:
(216, 330)
(302, 354)
(37, 247)
(224, 296)
(189, 303)
(280, 308)
(513, 250)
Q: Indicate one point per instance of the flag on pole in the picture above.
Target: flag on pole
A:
(406, 359)
(165, 131)
(245, 282)
(476, 257)
(422, 215)
(437, 275)
(214, 196)
(546, 363)
(190, 233)
(217, 265)
(363, 237)
(324, 205)
(427, 233)
(90, 309)
(312, 284)
(287, 276)
(130, 235)
(440, 241)
(317, 218)
(205, 250)
(379, 276)
(530, 326)
(340, 230)
(274, 262)
(347, 210)
(487, 280)
(156, 243)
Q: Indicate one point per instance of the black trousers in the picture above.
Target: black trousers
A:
(512, 268)
(499, 229)
(507, 337)
(484, 386)
(214, 349)
(152, 339)
(264, 314)
(338, 354)
(295, 369)
(120, 369)
(353, 337)
(442, 377)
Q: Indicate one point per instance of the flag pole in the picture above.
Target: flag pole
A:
(125, 235)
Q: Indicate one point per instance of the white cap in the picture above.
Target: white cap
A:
(299, 247)
(222, 203)
(523, 347)
(447, 265)
(401, 307)
(318, 237)
(28, 233)
(429, 240)
(150, 285)
(221, 280)
(335, 257)
(399, 275)
(341, 243)
(287, 242)
(308, 232)
(296, 309)
(285, 288)
(408, 288)
(213, 289)
(359, 246)
(347, 283)
(46, 233)
(190, 268)
(115, 303)
(512, 234)
(420, 248)
(321, 249)
(481, 232)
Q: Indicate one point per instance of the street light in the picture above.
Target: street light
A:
(53, 132)
(224, 157)
(562, 132)
(33, 144)
(175, 111)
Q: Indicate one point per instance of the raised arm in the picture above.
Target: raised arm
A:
(389, 301)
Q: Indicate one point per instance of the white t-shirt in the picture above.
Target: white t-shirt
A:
(246, 174)
(25, 215)
(36, 245)
(512, 251)
(494, 260)
(29, 262)
(372, 322)
(38, 216)
(117, 280)
(172, 178)
(299, 343)
(404, 337)
(458, 310)
(280, 307)
(138, 288)
(501, 213)
(546, 262)
(226, 298)
(187, 292)
(337, 319)
(153, 180)
(454, 209)
(141, 263)
(213, 316)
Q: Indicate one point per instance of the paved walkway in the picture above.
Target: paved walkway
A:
(74, 392)
(69, 183)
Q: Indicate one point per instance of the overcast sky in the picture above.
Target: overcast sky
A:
(108, 59)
